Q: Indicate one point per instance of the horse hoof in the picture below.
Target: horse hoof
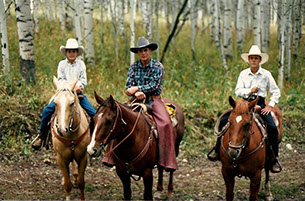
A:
(158, 196)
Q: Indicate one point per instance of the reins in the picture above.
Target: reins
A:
(134, 126)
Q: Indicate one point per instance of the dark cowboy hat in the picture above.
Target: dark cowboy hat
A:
(142, 43)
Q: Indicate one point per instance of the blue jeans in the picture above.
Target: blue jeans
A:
(50, 109)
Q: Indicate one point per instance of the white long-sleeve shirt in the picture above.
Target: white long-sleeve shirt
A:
(262, 79)
(68, 72)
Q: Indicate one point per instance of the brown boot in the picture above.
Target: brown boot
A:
(37, 144)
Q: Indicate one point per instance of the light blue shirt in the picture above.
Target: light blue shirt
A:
(68, 72)
(262, 79)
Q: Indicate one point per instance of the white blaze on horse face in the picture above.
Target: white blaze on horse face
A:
(238, 118)
(92, 143)
(63, 103)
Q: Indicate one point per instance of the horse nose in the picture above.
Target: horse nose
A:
(234, 153)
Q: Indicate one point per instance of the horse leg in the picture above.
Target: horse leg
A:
(170, 186)
(75, 174)
(82, 164)
(160, 178)
(269, 196)
(64, 167)
(229, 181)
(254, 185)
(125, 178)
(148, 184)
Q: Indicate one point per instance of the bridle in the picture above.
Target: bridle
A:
(246, 138)
(72, 114)
(119, 113)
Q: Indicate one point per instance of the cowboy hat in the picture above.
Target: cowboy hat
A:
(142, 43)
(71, 44)
(254, 50)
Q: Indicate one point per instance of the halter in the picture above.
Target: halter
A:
(72, 114)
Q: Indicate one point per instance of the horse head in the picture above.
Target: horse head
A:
(105, 119)
(65, 101)
(240, 119)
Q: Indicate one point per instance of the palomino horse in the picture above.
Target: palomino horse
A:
(134, 143)
(70, 135)
(243, 148)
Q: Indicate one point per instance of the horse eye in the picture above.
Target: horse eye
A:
(72, 104)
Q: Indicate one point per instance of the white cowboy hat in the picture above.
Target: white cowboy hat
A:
(254, 50)
(71, 44)
(142, 43)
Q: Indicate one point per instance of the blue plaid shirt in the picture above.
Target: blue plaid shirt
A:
(148, 78)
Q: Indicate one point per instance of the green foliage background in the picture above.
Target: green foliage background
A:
(202, 87)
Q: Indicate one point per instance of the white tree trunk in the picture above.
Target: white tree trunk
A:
(218, 23)
(88, 37)
(257, 23)
(265, 16)
(50, 9)
(239, 25)
(121, 17)
(25, 29)
(227, 38)
(114, 31)
(77, 26)
(62, 16)
(296, 27)
(68, 18)
(101, 5)
(288, 39)
(35, 16)
(193, 27)
(132, 31)
(4, 42)
(157, 27)
(282, 47)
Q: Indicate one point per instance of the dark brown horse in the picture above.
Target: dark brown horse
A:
(136, 145)
(243, 149)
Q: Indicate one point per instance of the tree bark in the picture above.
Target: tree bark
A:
(282, 47)
(227, 38)
(256, 23)
(132, 31)
(239, 25)
(4, 42)
(88, 37)
(224, 63)
(25, 29)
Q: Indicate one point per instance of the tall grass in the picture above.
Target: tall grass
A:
(201, 87)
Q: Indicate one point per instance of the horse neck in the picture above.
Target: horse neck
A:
(79, 117)
(130, 118)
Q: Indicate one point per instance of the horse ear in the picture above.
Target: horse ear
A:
(74, 83)
(112, 101)
(232, 102)
(55, 81)
(98, 99)
(252, 104)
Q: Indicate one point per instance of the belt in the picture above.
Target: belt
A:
(253, 97)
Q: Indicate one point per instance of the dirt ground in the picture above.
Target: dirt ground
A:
(37, 177)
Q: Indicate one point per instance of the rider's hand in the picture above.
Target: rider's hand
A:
(131, 91)
(78, 89)
(254, 89)
(140, 95)
(266, 110)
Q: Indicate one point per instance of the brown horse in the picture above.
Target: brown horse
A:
(70, 135)
(243, 149)
(136, 145)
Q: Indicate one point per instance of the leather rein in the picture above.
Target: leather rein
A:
(128, 165)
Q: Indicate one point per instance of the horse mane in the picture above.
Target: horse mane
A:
(107, 102)
(242, 106)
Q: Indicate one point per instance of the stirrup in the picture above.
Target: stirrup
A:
(213, 158)
(276, 162)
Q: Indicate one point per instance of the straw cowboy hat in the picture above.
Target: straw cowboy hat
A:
(142, 43)
(71, 44)
(254, 50)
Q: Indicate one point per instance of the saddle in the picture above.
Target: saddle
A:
(146, 110)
